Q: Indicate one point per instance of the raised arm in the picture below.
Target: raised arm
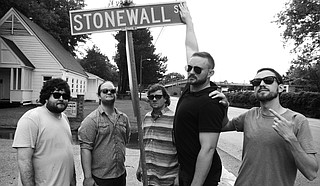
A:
(191, 40)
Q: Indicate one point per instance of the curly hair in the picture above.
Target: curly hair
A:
(52, 85)
(156, 87)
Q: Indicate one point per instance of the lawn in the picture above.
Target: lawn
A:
(10, 116)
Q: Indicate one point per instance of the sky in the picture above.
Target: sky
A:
(239, 35)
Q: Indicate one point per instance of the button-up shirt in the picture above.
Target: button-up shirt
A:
(106, 137)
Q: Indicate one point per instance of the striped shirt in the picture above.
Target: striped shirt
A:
(161, 154)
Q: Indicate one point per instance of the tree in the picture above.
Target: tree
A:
(98, 64)
(172, 77)
(51, 15)
(153, 65)
(300, 21)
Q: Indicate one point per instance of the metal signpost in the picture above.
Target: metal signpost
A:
(127, 18)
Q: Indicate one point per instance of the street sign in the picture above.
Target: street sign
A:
(124, 18)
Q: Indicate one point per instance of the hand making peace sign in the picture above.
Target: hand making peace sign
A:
(282, 126)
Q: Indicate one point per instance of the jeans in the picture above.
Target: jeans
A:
(186, 180)
(120, 181)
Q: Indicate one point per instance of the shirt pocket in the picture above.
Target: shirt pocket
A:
(122, 125)
(104, 127)
(122, 128)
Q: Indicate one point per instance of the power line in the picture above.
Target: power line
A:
(158, 36)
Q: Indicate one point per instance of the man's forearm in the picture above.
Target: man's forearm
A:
(306, 163)
(86, 159)
(26, 172)
(203, 164)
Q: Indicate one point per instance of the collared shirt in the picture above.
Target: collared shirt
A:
(106, 137)
(161, 154)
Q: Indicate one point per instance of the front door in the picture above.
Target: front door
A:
(4, 84)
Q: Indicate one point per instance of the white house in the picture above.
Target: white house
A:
(29, 56)
(93, 83)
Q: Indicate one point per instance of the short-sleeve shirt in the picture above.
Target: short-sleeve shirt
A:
(51, 139)
(196, 112)
(106, 138)
(267, 159)
(161, 154)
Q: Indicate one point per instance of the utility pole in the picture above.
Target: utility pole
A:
(141, 61)
(140, 76)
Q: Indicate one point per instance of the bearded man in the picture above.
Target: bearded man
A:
(103, 136)
(277, 141)
(43, 139)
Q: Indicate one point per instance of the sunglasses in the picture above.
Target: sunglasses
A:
(267, 80)
(196, 69)
(57, 95)
(151, 97)
(105, 91)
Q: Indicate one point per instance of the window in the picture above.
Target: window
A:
(81, 90)
(46, 78)
(72, 85)
(77, 87)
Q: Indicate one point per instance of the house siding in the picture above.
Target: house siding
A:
(35, 52)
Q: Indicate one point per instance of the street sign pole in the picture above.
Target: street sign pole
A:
(133, 83)
(128, 18)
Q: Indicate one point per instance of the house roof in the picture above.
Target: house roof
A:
(60, 53)
(92, 76)
(18, 52)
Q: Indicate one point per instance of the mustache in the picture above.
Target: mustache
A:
(192, 76)
(262, 87)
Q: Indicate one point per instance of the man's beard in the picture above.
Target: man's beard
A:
(197, 82)
(264, 98)
(53, 107)
(108, 102)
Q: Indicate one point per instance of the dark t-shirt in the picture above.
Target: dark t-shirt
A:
(196, 112)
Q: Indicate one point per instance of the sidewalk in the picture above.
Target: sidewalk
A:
(132, 159)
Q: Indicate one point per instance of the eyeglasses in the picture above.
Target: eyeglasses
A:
(105, 91)
(267, 80)
(151, 97)
(196, 69)
(57, 95)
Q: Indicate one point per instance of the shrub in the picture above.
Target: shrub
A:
(306, 103)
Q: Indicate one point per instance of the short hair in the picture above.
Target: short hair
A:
(99, 87)
(278, 76)
(156, 87)
(52, 85)
(205, 55)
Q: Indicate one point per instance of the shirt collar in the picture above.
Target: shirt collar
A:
(163, 111)
(101, 110)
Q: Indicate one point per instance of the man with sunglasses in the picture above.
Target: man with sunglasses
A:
(103, 136)
(277, 140)
(161, 154)
(43, 139)
(198, 118)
